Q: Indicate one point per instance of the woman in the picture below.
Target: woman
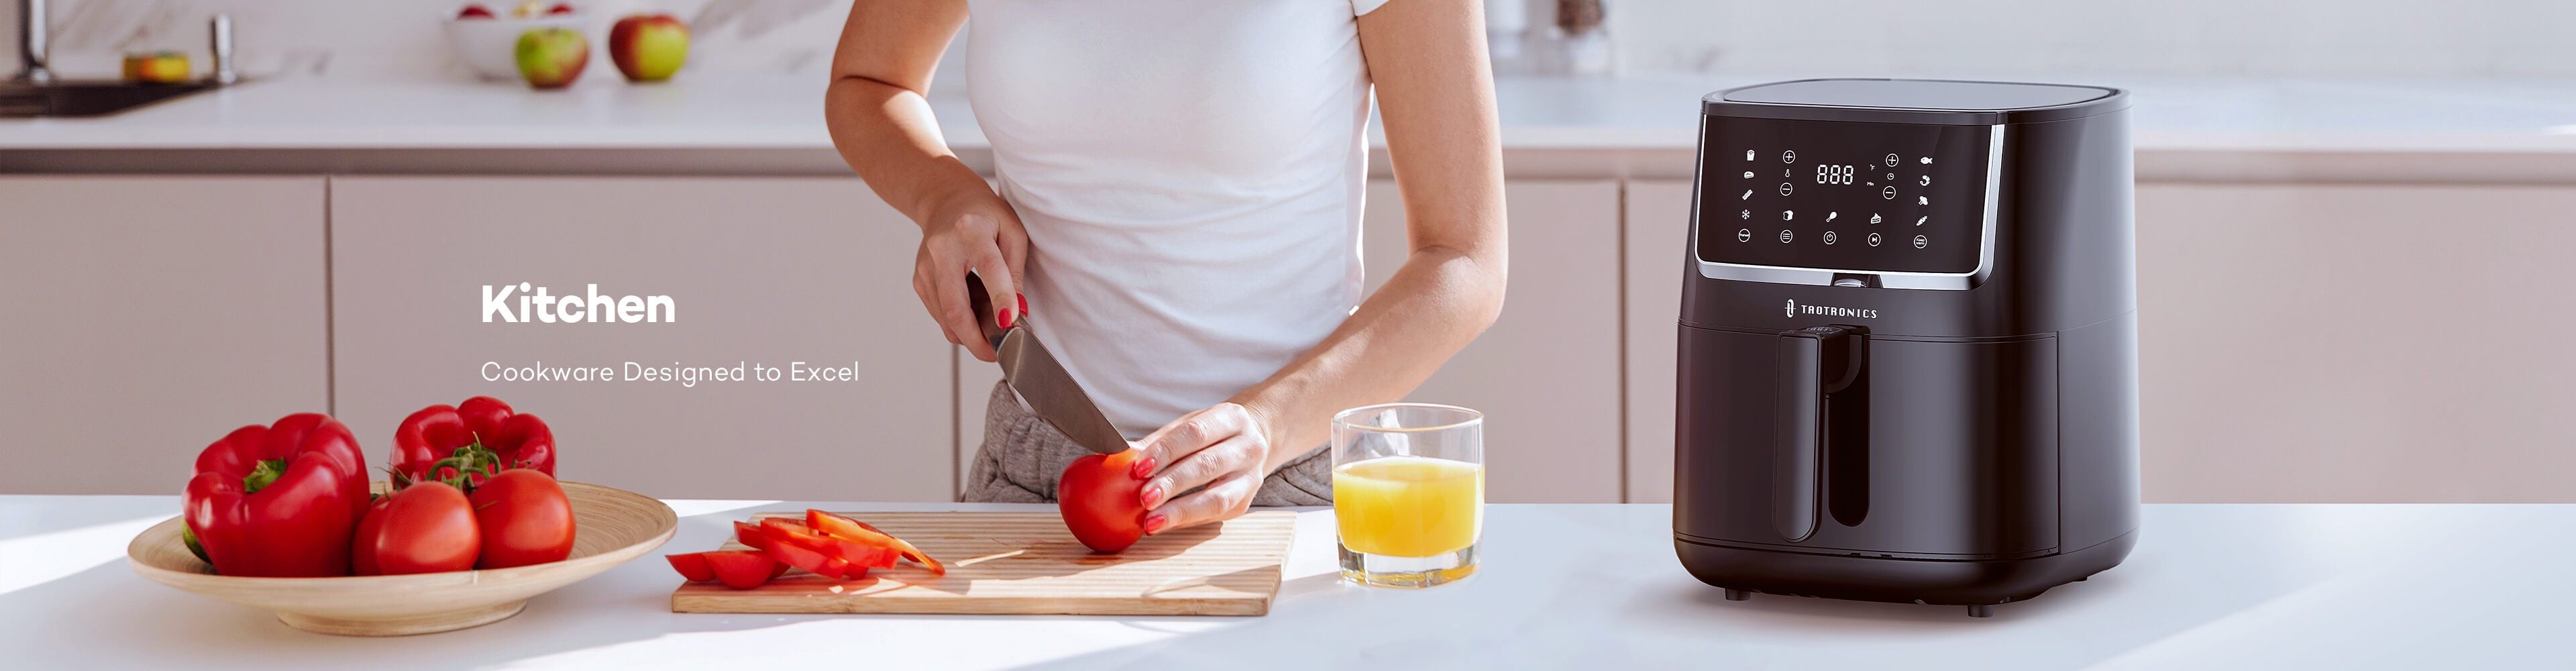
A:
(1178, 193)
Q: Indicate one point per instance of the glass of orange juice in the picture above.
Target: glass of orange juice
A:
(1408, 492)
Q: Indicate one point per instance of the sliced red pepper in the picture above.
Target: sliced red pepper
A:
(749, 534)
(743, 569)
(842, 527)
(791, 542)
(692, 566)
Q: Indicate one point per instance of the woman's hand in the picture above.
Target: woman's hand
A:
(975, 232)
(1226, 448)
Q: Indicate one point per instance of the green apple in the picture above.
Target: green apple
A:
(550, 58)
(648, 48)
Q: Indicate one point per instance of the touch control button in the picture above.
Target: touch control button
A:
(1743, 234)
(1921, 242)
(1788, 157)
(1873, 239)
(1784, 235)
(1785, 188)
(1829, 237)
(1888, 193)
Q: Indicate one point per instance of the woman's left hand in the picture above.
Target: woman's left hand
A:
(1225, 447)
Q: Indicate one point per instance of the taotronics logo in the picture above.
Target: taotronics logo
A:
(1792, 308)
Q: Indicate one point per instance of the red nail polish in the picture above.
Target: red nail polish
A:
(1154, 524)
(1150, 496)
(1005, 317)
(1143, 469)
(1024, 302)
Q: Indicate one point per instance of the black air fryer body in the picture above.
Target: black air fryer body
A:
(1908, 342)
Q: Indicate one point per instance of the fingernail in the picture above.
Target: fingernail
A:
(1006, 317)
(1152, 496)
(1154, 523)
(1143, 469)
(1024, 302)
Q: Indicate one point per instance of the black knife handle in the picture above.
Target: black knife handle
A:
(982, 301)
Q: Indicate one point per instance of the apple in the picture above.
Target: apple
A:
(550, 58)
(475, 12)
(648, 48)
(559, 8)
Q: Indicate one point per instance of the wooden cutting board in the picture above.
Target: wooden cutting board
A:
(1025, 563)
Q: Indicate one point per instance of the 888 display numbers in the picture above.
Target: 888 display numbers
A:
(1833, 174)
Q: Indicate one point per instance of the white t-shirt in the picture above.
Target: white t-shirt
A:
(1190, 175)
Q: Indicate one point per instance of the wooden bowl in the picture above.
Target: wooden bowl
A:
(610, 526)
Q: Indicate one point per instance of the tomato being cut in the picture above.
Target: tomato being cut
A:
(1099, 498)
(525, 518)
(862, 533)
(427, 528)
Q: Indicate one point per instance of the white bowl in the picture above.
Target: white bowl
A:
(490, 47)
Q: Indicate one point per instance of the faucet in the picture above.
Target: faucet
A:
(31, 42)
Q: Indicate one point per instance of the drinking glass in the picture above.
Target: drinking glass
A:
(1408, 493)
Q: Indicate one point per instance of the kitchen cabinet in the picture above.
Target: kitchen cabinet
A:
(1657, 221)
(1546, 374)
(2359, 343)
(762, 271)
(148, 316)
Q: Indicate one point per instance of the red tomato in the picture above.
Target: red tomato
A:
(362, 546)
(427, 528)
(1100, 500)
(525, 518)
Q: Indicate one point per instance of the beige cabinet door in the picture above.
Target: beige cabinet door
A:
(1546, 375)
(762, 271)
(1658, 223)
(146, 317)
(2356, 343)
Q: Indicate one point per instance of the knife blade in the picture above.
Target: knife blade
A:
(1041, 381)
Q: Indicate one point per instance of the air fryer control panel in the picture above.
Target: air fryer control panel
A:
(1833, 195)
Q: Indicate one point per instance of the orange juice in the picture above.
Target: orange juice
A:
(1409, 506)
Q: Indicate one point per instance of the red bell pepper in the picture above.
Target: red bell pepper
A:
(279, 501)
(437, 432)
(863, 534)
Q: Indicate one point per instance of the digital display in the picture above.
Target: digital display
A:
(1828, 195)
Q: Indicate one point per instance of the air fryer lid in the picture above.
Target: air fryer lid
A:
(1927, 100)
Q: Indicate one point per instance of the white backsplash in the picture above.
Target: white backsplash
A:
(1849, 37)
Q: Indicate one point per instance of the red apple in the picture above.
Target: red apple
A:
(559, 8)
(551, 58)
(648, 48)
(474, 12)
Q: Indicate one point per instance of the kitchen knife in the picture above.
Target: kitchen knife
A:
(1041, 382)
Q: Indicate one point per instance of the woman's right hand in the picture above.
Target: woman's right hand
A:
(975, 232)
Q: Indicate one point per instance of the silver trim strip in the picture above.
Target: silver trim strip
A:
(1886, 279)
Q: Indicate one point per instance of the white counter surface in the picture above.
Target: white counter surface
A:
(2186, 128)
(1564, 586)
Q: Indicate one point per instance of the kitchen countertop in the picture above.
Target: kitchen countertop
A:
(2217, 129)
(2347, 586)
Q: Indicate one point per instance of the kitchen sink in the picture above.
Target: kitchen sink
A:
(87, 98)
